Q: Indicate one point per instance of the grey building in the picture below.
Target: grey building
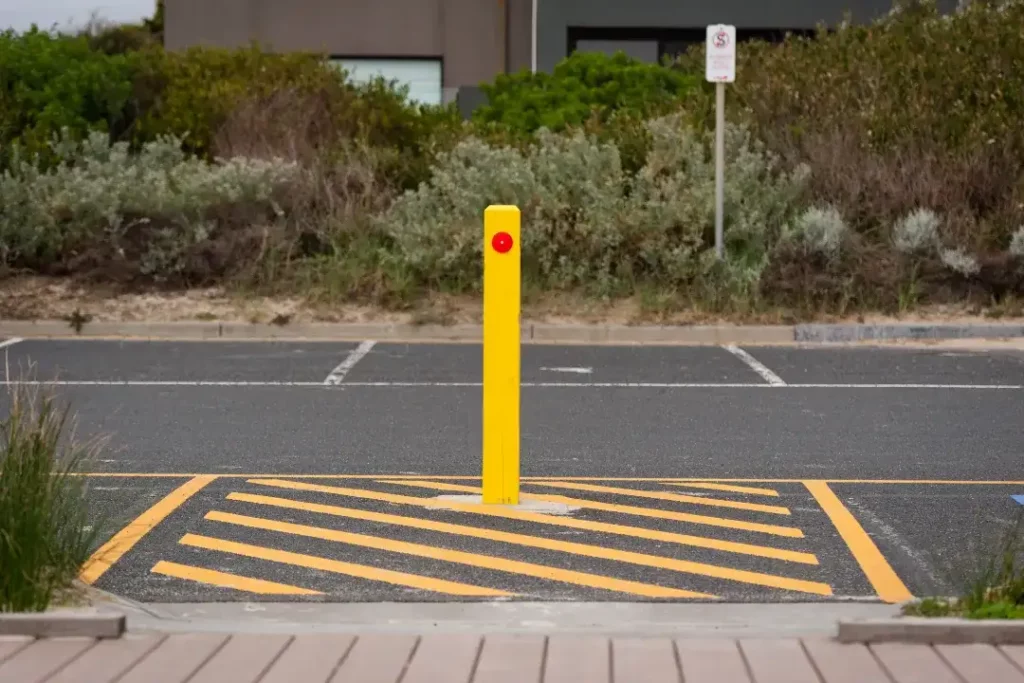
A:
(439, 47)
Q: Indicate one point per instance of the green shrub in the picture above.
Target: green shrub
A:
(146, 212)
(587, 223)
(581, 86)
(913, 76)
(45, 531)
(217, 98)
(49, 83)
(915, 109)
(822, 230)
(122, 39)
(201, 86)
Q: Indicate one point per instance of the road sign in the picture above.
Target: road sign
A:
(720, 66)
(502, 284)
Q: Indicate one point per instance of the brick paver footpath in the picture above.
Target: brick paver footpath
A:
(336, 658)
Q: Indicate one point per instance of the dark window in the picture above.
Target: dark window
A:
(671, 41)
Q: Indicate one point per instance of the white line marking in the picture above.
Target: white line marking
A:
(578, 371)
(893, 536)
(756, 365)
(10, 342)
(531, 385)
(337, 375)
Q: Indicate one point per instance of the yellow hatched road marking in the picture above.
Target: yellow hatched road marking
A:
(674, 497)
(583, 549)
(339, 567)
(551, 520)
(752, 490)
(655, 513)
(125, 539)
(458, 557)
(225, 580)
(877, 569)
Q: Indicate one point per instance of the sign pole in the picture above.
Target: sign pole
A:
(720, 69)
(719, 168)
(501, 355)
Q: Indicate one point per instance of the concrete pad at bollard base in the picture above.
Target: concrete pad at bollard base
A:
(63, 624)
(525, 504)
(933, 631)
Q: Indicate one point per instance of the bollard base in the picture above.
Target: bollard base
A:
(526, 504)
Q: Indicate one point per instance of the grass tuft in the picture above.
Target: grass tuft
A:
(45, 533)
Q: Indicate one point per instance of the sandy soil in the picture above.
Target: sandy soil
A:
(35, 298)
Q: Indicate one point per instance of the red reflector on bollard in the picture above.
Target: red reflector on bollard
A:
(502, 242)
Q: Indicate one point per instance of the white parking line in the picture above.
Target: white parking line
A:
(755, 365)
(528, 385)
(577, 371)
(10, 342)
(337, 375)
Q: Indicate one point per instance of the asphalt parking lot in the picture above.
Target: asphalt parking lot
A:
(344, 471)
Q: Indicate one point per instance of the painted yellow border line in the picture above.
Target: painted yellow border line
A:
(125, 539)
(879, 572)
(338, 567)
(225, 580)
(540, 542)
(551, 520)
(657, 480)
(653, 513)
(501, 564)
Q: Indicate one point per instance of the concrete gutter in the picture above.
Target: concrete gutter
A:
(70, 623)
(539, 333)
(933, 631)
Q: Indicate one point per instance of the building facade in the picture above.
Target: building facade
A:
(441, 47)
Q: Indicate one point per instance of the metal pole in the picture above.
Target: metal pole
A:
(533, 36)
(719, 167)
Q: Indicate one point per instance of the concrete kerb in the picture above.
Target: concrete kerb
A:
(622, 619)
(69, 623)
(531, 332)
(538, 333)
(932, 631)
(908, 331)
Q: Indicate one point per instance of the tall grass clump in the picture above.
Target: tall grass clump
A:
(45, 535)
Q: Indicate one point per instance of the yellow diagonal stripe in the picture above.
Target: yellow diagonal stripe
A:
(225, 580)
(457, 557)
(879, 572)
(338, 567)
(698, 541)
(583, 549)
(674, 497)
(731, 488)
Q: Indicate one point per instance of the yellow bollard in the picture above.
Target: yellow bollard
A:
(501, 355)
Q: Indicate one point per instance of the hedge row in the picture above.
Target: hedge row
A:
(874, 166)
(55, 83)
